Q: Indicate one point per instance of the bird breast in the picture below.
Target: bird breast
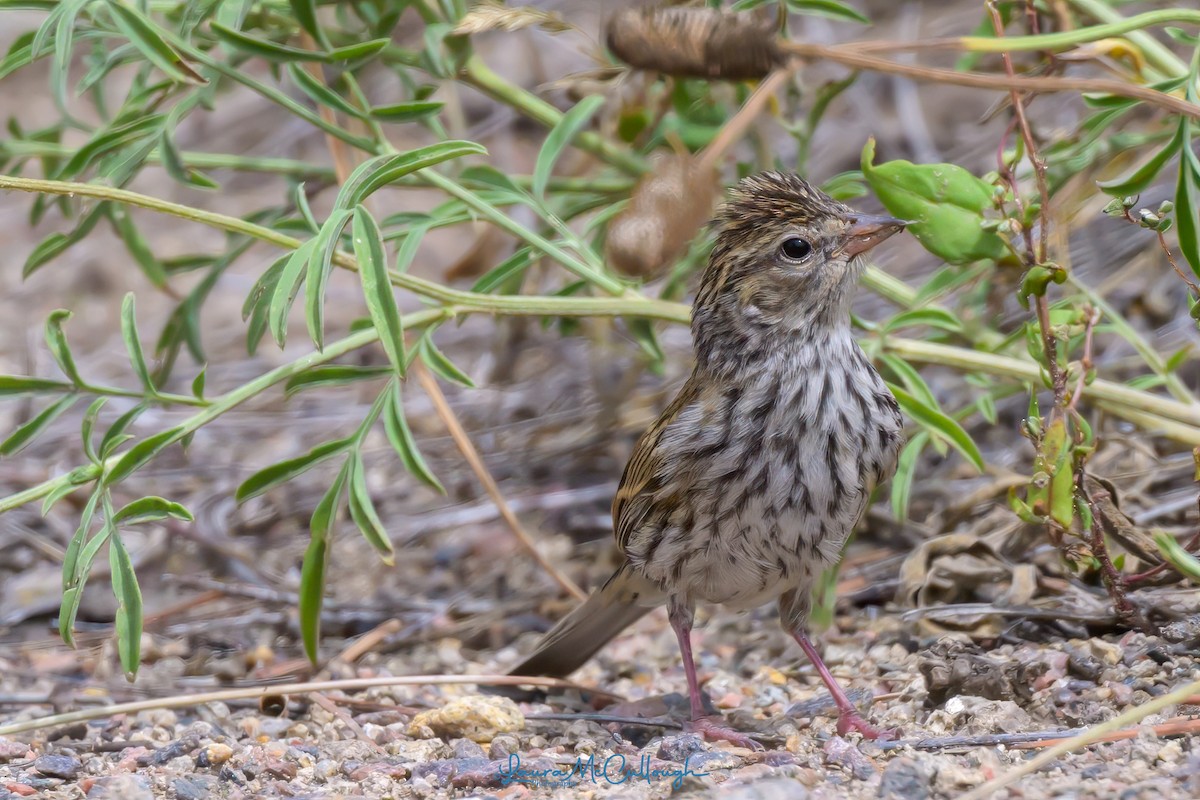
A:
(764, 477)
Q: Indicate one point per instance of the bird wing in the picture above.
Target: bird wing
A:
(644, 475)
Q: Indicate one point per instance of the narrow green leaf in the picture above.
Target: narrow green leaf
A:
(402, 440)
(362, 511)
(320, 264)
(129, 606)
(20, 384)
(172, 160)
(137, 246)
(151, 509)
(361, 50)
(145, 38)
(1187, 208)
(82, 567)
(377, 289)
(1177, 556)
(56, 340)
(140, 453)
(437, 362)
(406, 112)
(906, 467)
(58, 493)
(833, 9)
(911, 379)
(26, 433)
(108, 140)
(316, 558)
(322, 94)
(89, 423)
(375, 173)
(332, 375)
(115, 435)
(939, 423)
(198, 383)
(269, 477)
(56, 244)
(305, 12)
(1136, 181)
(934, 317)
(560, 136)
(286, 288)
(272, 51)
(133, 344)
(499, 275)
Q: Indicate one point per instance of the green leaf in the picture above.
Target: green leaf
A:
(944, 203)
(305, 12)
(258, 302)
(141, 453)
(56, 340)
(1187, 208)
(377, 289)
(316, 558)
(108, 140)
(322, 94)
(1136, 181)
(406, 112)
(362, 511)
(332, 375)
(437, 362)
(286, 288)
(361, 50)
(402, 440)
(198, 383)
(499, 275)
(26, 433)
(19, 384)
(906, 467)
(560, 136)
(375, 173)
(272, 51)
(268, 478)
(172, 160)
(320, 264)
(1177, 556)
(137, 246)
(129, 606)
(89, 423)
(833, 9)
(153, 47)
(940, 424)
(133, 344)
(933, 317)
(77, 565)
(151, 509)
(911, 379)
(56, 244)
(115, 436)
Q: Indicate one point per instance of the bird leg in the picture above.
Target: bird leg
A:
(848, 716)
(681, 615)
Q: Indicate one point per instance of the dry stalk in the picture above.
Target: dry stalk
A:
(467, 448)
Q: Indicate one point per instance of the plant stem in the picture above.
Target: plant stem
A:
(479, 75)
(1155, 52)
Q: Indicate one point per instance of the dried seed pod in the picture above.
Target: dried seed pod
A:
(694, 42)
(668, 207)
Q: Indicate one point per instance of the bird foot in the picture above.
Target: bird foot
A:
(715, 730)
(851, 721)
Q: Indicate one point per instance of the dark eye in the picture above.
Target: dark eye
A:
(795, 248)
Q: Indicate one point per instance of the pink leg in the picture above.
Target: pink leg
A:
(848, 716)
(681, 621)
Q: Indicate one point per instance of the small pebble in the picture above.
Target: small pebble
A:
(55, 766)
(216, 754)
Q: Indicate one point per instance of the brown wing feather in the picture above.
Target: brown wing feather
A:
(635, 494)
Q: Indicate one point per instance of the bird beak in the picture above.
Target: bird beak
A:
(867, 230)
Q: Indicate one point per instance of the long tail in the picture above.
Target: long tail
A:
(623, 600)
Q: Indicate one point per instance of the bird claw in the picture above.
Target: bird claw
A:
(851, 721)
(717, 731)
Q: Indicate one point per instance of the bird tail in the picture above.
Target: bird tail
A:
(623, 600)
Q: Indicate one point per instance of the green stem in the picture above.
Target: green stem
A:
(1117, 26)
(277, 166)
(1157, 54)
(479, 75)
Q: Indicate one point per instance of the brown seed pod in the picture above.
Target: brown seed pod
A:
(694, 42)
(668, 207)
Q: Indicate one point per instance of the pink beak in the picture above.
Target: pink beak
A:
(867, 230)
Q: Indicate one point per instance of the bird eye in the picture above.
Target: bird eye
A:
(795, 248)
